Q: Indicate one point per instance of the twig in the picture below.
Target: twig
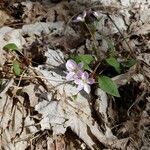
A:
(136, 101)
(120, 34)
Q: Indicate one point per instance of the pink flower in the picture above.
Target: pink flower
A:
(79, 77)
(81, 18)
(84, 82)
(75, 70)
(95, 14)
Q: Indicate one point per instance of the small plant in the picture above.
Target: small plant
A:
(87, 19)
(82, 76)
(84, 80)
(79, 76)
(11, 47)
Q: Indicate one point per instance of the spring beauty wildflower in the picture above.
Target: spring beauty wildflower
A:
(75, 70)
(95, 14)
(86, 15)
(81, 18)
(84, 82)
(80, 77)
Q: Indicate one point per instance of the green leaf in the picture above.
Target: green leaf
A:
(86, 59)
(114, 63)
(87, 67)
(16, 68)
(129, 63)
(11, 47)
(108, 85)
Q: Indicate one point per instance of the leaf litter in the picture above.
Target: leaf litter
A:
(40, 110)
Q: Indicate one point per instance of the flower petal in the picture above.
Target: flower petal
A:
(71, 65)
(78, 81)
(84, 14)
(70, 76)
(87, 88)
(79, 74)
(80, 65)
(80, 87)
(95, 14)
(85, 75)
(91, 81)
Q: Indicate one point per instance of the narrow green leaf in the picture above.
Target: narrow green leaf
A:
(11, 47)
(16, 68)
(108, 85)
(114, 63)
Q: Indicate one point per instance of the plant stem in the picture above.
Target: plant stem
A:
(122, 36)
(92, 36)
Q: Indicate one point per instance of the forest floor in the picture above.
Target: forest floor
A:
(40, 109)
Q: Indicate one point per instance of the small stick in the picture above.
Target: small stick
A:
(120, 34)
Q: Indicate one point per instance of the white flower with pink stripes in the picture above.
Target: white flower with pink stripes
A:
(80, 77)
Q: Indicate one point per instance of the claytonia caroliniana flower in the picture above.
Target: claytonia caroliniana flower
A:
(84, 82)
(80, 77)
(95, 14)
(86, 14)
(81, 18)
(75, 70)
